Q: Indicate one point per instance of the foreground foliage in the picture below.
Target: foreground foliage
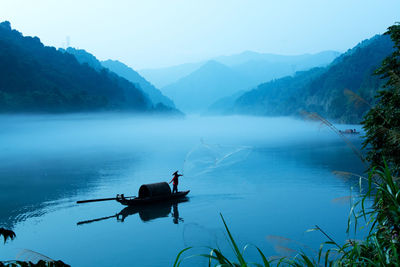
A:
(40, 263)
(381, 247)
(216, 254)
(382, 123)
(9, 234)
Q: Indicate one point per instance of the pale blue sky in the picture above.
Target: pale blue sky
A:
(154, 33)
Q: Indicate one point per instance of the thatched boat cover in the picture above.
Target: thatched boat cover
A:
(154, 190)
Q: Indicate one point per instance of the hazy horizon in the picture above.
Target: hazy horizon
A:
(217, 58)
(155, 34)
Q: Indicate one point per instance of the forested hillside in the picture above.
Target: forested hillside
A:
(131, 75)
(123, 71)
(342, 91)
(37, 78)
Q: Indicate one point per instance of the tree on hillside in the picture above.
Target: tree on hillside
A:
(382, 122)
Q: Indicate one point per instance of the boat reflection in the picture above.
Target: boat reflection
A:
(147, 212)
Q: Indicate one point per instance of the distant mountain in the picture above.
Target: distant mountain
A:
(162, 77)
(321, 58)
(331, 91)
(213, 80)
(235, 73)
(131, 75)
(261, 68)
(257, 67)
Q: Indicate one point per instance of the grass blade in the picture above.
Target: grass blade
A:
(236, 249)
(177, 261)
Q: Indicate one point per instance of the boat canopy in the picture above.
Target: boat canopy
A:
(154, 190)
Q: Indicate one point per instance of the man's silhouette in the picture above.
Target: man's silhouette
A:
(174, 181)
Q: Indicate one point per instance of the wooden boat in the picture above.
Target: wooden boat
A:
(349, 131)
(152, 193)
(136, 201)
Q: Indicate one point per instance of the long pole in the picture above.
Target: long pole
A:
(96, 200)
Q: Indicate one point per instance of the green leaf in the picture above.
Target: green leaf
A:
(177, 261)
(236, 249)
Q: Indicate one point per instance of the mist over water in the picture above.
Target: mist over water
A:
(269, 177)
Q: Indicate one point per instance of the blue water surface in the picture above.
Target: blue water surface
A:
(271, 178)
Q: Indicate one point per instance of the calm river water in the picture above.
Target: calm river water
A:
(271, 178)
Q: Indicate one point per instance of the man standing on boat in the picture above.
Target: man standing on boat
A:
(174, 181)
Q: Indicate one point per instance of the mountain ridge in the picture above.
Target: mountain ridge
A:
(133, 76)
(123, 71)
(163, 77)
(326, 90)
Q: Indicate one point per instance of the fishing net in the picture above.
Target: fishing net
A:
(205, 158)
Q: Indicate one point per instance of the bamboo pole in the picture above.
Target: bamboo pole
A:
(96, 200)
(101, 199)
